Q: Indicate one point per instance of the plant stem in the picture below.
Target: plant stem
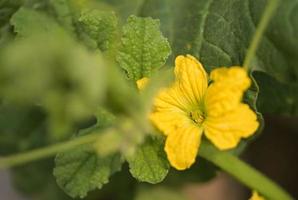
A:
(268, 13)
(243, 172)
(22, 158)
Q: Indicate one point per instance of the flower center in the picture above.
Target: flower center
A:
(197, 116)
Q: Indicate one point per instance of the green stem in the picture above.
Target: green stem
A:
(268, 13)
(243, 172)
(22, 158)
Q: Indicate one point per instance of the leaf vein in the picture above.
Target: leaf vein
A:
(199, 39)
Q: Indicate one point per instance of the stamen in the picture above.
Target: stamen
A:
(197, 116)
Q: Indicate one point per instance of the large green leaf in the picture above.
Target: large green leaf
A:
(143, 49)
(279, 52)
(149, 163)
(275, 97)
(201, 28)
(81, 170)
(219, 32)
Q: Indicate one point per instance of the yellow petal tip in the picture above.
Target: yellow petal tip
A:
(234, 76)
(256, 196)
(142, 83)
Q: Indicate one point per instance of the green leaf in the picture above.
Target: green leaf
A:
(28, 21)
(104, 118)
(275, 97)
(41, 185)
(123, 8)
(211, 30)
(165, 11)
(21, 128)
(7, 8)
(219, 35)
(278, 54)
(81, 170)
(98, 28)
(149, 163)
(67, 82)
(200, 171)
(122, 182)
(63, 13)
(144, 49)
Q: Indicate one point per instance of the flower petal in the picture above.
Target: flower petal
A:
(226, 91)
(172, 105)
(220, 99)
(168, 120)
(232, 76)
(169, 99)
(225, 131)
(191, 78)
(182, 145)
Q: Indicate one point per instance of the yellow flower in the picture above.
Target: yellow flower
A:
(256, 196)
(191, 107)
